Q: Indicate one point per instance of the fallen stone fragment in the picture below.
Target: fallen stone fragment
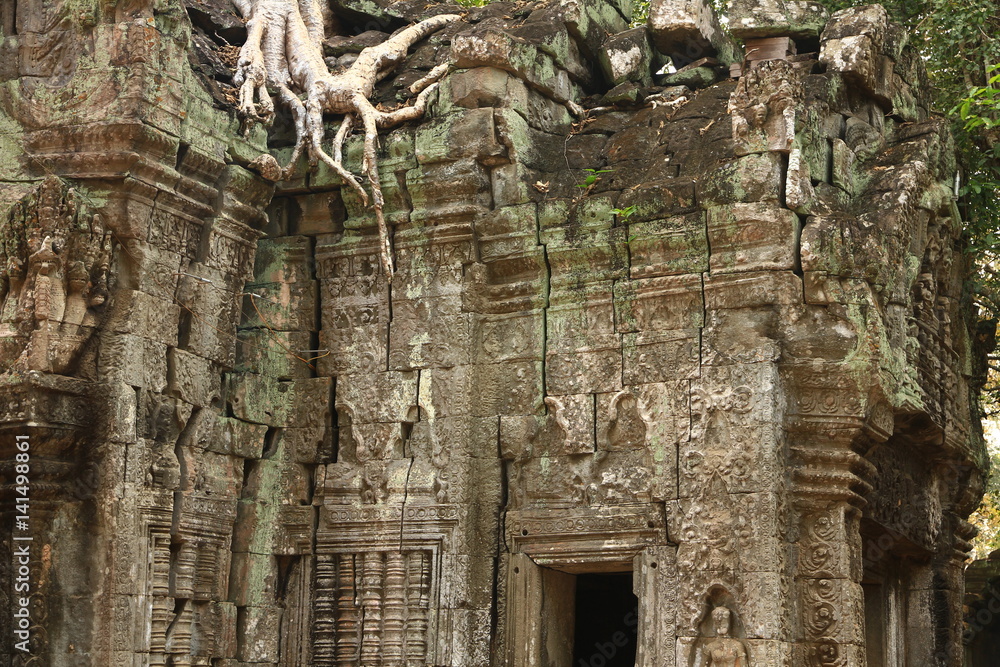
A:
(627, 56)
(687, 30)
(695, 77)
(799, 19)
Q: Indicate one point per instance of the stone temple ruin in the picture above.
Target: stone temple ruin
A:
(673, 370)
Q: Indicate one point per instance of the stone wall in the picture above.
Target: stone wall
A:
(710, 332)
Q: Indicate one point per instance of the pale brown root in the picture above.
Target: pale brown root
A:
(369, 164)
(316, 152)
(575, 108)
(313, 19)
(284, 50)
(299, 117)
(392, 118)
(375, 59)
(342, 133)
(316, 130)
(432, 77)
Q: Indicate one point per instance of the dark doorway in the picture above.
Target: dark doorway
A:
(607, 620)
(875, 622)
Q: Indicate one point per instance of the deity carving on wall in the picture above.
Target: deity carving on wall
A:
(722, 650)
(54, 266)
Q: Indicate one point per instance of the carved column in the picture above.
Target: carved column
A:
(127, 193)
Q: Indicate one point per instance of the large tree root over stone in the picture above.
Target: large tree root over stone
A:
(284, 51)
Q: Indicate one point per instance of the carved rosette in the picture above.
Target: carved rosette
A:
(55, 256)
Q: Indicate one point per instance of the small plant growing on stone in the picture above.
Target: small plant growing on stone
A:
(593, 175)
(623, 215)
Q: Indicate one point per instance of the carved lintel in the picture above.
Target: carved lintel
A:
(577, 539)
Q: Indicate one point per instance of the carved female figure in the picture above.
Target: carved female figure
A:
(723, 650)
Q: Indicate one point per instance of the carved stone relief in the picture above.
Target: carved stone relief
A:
(55, 278)
(709, 332)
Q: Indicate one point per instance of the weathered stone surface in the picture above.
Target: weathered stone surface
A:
(800, 19)
(627, 57)
(694, 77)
(857, 42)
(687, 30)
(752, 237)
(711, 343)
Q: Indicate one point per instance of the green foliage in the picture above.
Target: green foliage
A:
(624, 214)
(980, 107)
(640, 13)
(593, 175)
(987, 517)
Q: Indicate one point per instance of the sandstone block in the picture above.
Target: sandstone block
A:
(192, 378)
(356, 337)
(853, 44)
(288, 259)
(603, 251)
(590, 370)
(279, 403)
(660, 199)
(627, 57)
(751, 289)
(581, 317)
(482, 87)
(259, 628)
(511, 388)
(554, 39)
(659, 304)
(397, 391)
(752, 237)
(692, 77)
(687, 30)
(588, 21)
(503, 51)
(237, 437)
(142, 314)
(410, 347)
(800, 19)
(660, 356)
(532, 148)
(752, 178)
(513, 337)
(675, 245)
(462, 134)
(443, 191)
(280, 354)
(136, 361)
(281, 306)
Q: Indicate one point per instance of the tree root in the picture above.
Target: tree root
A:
(284, 51)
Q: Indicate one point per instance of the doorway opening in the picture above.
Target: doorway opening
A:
(607, 621)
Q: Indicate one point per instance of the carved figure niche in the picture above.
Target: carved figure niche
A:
(54, 264)
(720, 634)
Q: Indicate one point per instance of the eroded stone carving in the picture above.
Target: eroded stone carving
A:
(732, 364)
(54, 282)
(723, 650)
